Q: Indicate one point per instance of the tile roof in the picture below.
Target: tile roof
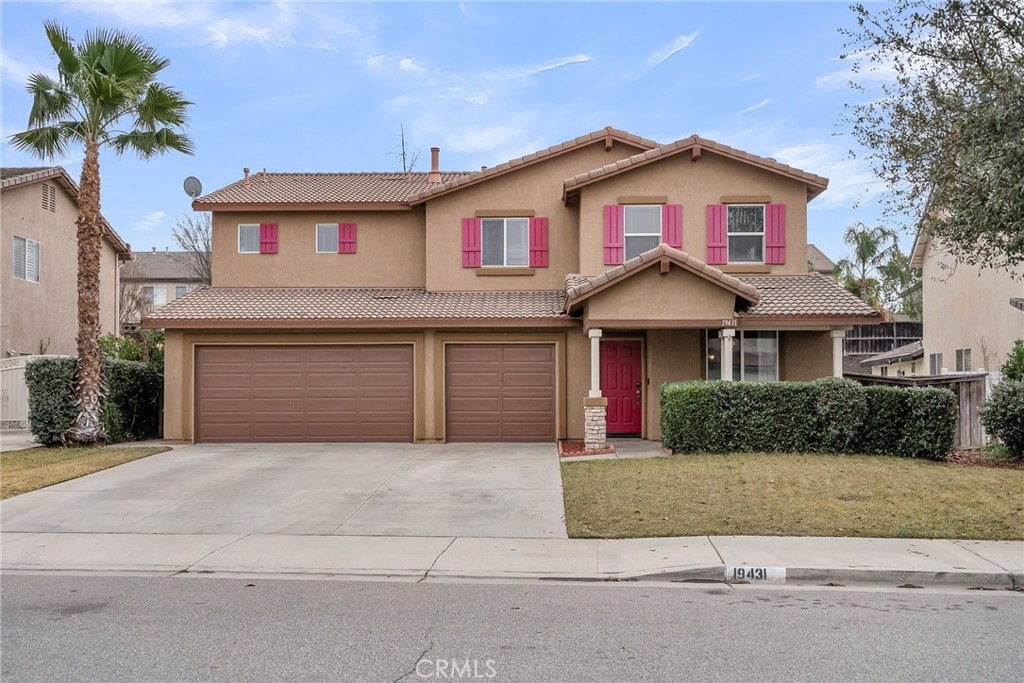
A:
(580, 288)
(568, 145)
(816, 184)
(322, 188)
(900, 353)
(805, 295)
(159, 265)
(347, 306)
(819, 262)
(15, 176)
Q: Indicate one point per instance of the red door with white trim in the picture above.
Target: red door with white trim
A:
(621, 385)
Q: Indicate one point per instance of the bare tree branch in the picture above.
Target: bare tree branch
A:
(193, 234)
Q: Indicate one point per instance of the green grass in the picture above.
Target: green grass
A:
(33, 468)
(791, 495)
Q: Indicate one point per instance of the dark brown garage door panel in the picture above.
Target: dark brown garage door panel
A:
(304, 393)
(500, 392)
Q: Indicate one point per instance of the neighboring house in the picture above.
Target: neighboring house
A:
(818, 262)
(903, 361)
(970, 318)
(868, 348)
(40, 264)
(547, 297)
(153, 279)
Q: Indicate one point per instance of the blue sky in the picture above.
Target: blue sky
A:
(325, 86)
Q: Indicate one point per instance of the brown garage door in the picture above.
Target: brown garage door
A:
(304, 393)
(500, 392)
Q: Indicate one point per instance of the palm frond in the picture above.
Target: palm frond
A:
(64, 47)
(149, 143)
(161, 105)
(46, 142)
(50, 102)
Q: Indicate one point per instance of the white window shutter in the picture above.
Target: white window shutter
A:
(19, 258)
(32, 260)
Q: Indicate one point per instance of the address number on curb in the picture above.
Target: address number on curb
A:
(746, 573)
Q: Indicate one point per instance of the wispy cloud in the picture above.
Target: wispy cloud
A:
(760, 105)
(15, 71)
(151, 221)
(659, 56)
(409, 65)
(750, 77)
(558, 64)
(859, 67)
(851, 181)
(323, 45)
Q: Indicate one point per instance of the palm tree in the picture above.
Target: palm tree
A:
(105, 95)
(871, 248)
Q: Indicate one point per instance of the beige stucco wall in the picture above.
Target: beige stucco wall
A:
(648, 295)
(694, 185)
(45, 314)
(389, 251)
(536, 188)
(804, 356)
(672, 356)
(967, 307)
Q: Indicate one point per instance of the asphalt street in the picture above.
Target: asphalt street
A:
(118, 628)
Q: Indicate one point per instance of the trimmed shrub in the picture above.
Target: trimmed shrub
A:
(131, 399)
(825, 416)
(1003, 415)
(1013, 368)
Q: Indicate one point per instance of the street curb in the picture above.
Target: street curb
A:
(897, 577)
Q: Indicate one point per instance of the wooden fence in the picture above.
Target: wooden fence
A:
(970, 390)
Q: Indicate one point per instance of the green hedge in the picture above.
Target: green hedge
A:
(825, 416)
(131, 399)
(1003, 415)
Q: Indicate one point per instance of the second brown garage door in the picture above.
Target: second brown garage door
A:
(500, 392)
(304, 393)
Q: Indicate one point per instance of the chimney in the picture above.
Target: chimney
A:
(264, 175)
(435, 170)
(245, 180)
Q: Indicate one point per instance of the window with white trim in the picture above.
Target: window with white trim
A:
(182, 290)
(327, 238)
(884, 371)
(755, 355)
(26, 259)
(963, 360)
(249, 238)
(746, 233)
(641, 228)
(935, 364)
(154, 295)
(505, 241)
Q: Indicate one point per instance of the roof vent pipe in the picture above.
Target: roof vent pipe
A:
(245, 180)
(435, 168)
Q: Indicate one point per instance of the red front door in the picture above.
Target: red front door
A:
(620, 384)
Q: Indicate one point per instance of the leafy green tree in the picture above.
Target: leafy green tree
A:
(105, 95)
(871, 248)
(946, 135)
(901, 285)
(1013, 368)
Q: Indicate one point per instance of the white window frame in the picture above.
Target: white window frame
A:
(935, 364)
(504, 242)
(729, 233)
(152, 299)
(256, 227)
(739, 371)
(316, 237)
(26, 245)
(626, 235)
(187, 288)
(963, 360)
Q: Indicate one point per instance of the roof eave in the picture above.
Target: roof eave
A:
(337, 323)
(244, 207)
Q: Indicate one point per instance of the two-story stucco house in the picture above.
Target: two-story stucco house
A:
(155, 278)
(519, 302)
(972, 315)
(40, 263)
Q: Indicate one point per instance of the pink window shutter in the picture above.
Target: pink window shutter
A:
(718, 240)
(268, 238)
(613, 238)
(538, 242)
(672, 225)
(346, 238)
(470, 242)
(775, 234)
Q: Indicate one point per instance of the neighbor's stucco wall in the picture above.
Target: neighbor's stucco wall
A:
(967, 307)
(712, 179)
(537, 189)
(389, 251)
(41, 315)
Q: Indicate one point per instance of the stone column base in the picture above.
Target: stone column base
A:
(596, 422)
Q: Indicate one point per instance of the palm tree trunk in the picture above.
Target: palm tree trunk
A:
(88, 426)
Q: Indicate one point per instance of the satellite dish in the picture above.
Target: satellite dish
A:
(193, 187)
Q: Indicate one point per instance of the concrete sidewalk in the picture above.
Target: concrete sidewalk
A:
(896, 562)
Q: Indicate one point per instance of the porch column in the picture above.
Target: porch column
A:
(595, 406)
(837, 352)
(595, 363)
(728, 337)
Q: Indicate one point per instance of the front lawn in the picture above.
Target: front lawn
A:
(33, 468)
(791, 495)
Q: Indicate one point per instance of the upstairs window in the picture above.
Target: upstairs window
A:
(505, 241)
(249, 238)
(935, 364)
(182, 290)
(963, 360)
(641, 227)
(26, 259)
(746, 233)
(154, 295)
(327, 238)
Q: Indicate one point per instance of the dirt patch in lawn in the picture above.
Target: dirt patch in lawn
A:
(791, 495)
(571, 448)
(33, 468)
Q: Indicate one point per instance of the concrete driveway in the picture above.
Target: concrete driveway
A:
(486, 490)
